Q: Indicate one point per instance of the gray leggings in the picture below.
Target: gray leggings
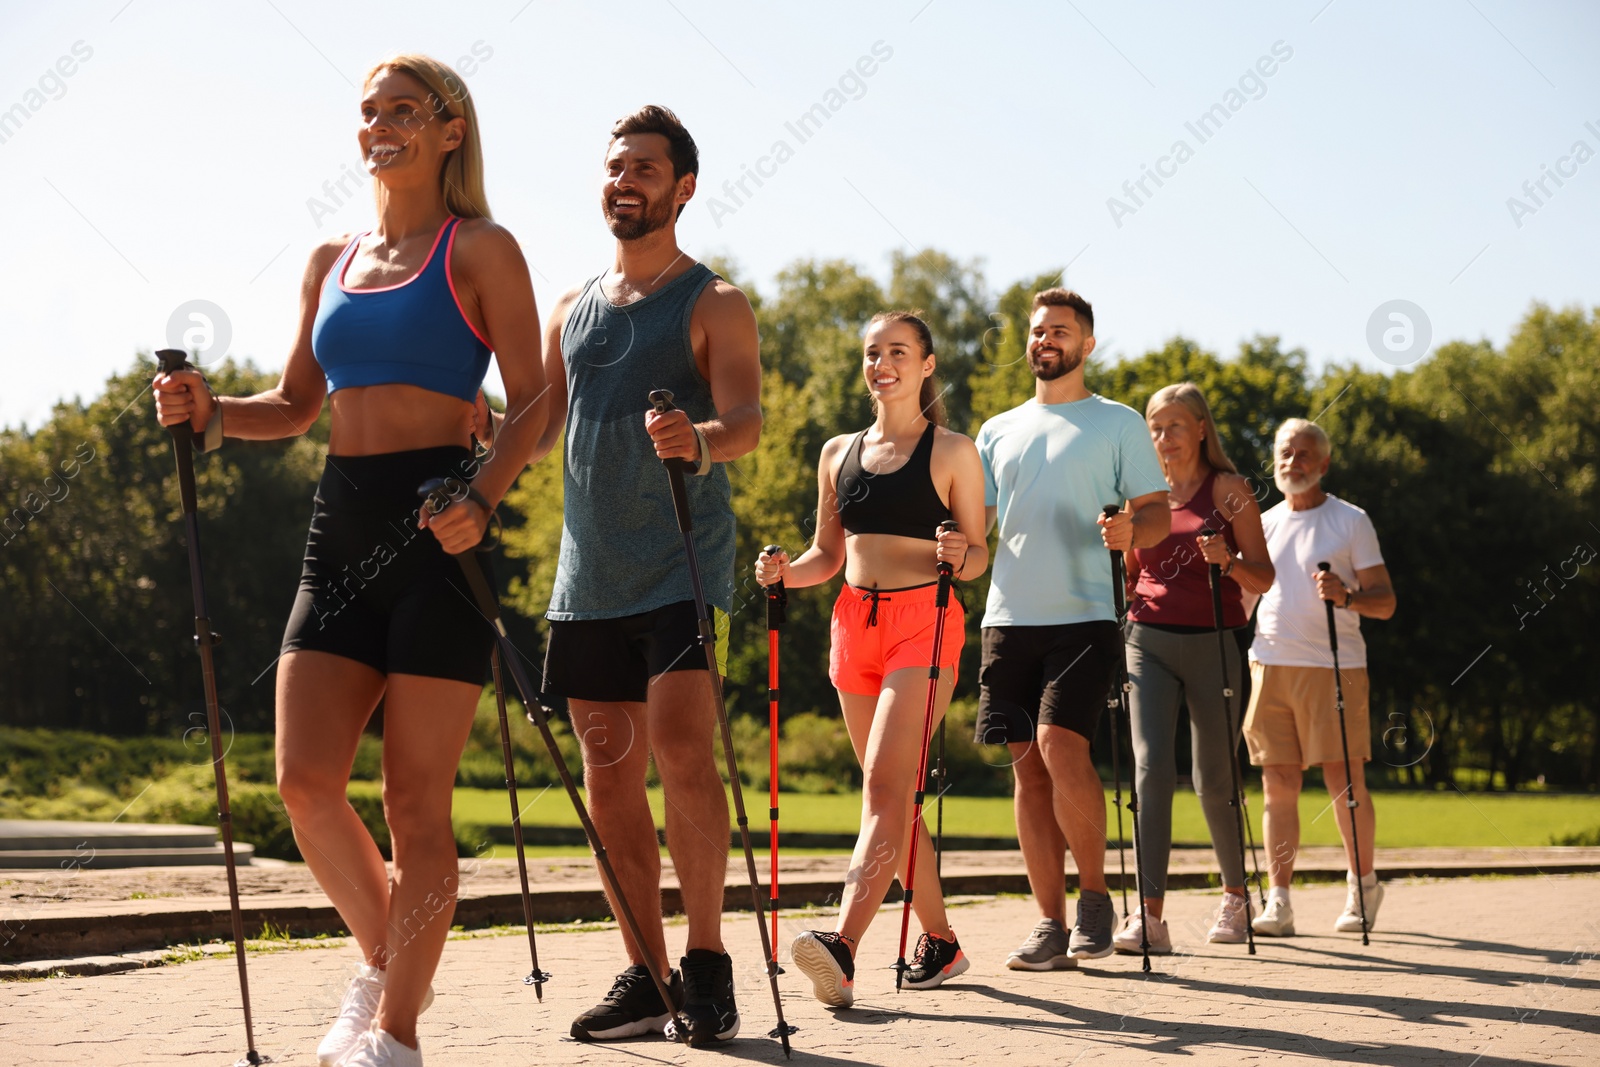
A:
(1168, 670)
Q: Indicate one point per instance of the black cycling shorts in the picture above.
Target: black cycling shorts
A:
(375, 588)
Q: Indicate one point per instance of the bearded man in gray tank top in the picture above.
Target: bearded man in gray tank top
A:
(624, 635)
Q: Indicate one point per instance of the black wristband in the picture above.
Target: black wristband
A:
(479, 499)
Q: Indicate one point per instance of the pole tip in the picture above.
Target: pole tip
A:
(1323, 566)
(1109, 510)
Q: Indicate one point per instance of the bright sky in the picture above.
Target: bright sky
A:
(153, 153)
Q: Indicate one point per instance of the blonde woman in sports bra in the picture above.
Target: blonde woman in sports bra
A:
(396, 329)
(882, 494)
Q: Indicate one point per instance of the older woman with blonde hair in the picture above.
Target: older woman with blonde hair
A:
(1172, 654)
(396, 329)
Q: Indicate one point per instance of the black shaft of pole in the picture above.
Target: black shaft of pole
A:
(1349, 783)
(205, 640)
(435, 495)
(1119, 599)
(1214, 574)
(536, 977)
(661, 400)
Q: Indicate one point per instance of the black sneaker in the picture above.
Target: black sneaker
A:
(633, 1007)
(935, 960)
(825, 959)
(708, 1007)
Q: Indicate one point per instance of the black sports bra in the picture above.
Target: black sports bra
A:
(902, 502)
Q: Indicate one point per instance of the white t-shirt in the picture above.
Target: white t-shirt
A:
(1048, 469)
(1292, 624)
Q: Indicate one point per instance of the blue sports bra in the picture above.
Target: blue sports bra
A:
(413, 333)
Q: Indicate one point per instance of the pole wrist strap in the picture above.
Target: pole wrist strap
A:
(705, 451)
(211, 439)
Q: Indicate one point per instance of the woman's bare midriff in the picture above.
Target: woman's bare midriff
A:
(889, 561)
(372, 419)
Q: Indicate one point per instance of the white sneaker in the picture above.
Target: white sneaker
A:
(1277, 920)
(1229, 926)
(378, 1048)
(1349, 921)
(1127, 940)
(357, 1012)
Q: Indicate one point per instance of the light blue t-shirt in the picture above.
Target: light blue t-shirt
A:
(1050, 469)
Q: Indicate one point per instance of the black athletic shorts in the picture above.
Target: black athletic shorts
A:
(1056, 675)
(375, 588)
(613, 660)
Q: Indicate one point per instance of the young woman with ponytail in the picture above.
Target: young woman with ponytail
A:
(882, 494)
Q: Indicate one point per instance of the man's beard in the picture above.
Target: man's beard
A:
(1066, 363)
(654, 217)
(1289, 485)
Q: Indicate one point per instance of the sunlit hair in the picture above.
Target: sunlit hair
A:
(461, 174)
(1189, 395)
(931, 397)
(1066, 298)
(1295, 427)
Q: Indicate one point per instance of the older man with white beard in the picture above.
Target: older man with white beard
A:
(1293, 722)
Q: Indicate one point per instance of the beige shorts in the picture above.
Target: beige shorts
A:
(1293, 717)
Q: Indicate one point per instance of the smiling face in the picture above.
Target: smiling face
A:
(641, 194)
(1177, 434)
(1056, 342)
(405, 132)
(1298, 463)
(893, 361)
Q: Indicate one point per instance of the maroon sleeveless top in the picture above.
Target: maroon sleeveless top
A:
(1174, 588)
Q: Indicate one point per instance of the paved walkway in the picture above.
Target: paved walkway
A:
(1488, 972)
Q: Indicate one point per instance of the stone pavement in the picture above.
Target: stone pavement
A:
(1486, 972)
(47, 915)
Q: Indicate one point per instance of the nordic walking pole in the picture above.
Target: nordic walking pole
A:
(941, 601)
(437, 493)
(1119, 598)
(536, 977)
(1112, 707)
(1214, 573)
(661, 401)
(1349, 783)
(205, 640)
(777, 601)
(1244, 804)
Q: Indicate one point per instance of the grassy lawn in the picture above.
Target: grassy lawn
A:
(1405, 819)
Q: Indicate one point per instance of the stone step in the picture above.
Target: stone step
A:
(84, 856)
(28, 834)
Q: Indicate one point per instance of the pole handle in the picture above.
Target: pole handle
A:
(777, 595)
(171, 360)
(1333, 629)
(661, 403)
(436, 494)
(1214, 573)
(1119, 584)
(946, 570)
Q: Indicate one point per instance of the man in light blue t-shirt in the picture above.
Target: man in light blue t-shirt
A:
(1050, 640)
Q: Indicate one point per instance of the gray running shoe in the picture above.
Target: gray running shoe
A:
(1045, 950)
(1091, 936)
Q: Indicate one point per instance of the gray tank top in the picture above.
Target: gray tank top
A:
(621, 551)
